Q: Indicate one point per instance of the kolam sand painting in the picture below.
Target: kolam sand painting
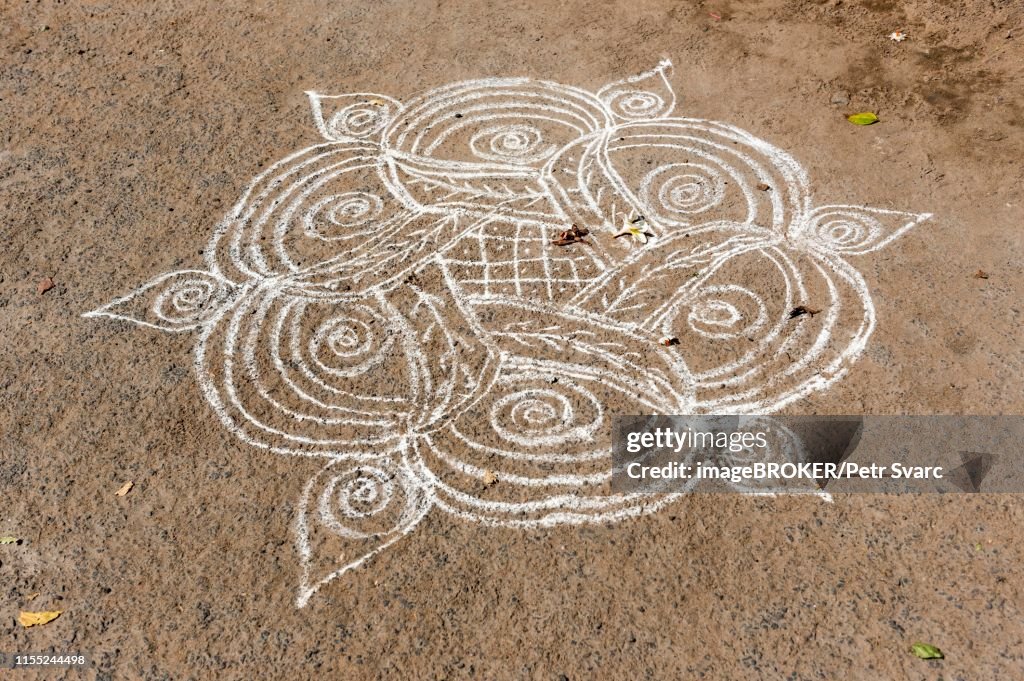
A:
(408, 301)
(305, 374)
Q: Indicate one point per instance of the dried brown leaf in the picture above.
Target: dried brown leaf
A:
(573, 235)
(800, 310)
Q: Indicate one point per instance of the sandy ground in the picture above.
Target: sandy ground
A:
(128, 131)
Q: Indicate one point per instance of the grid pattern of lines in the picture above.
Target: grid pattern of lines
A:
(517, 258)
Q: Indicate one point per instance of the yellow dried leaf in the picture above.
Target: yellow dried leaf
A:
(8, 540)
(866, 118)
(926, 651)
(31, 619)
(125, 488)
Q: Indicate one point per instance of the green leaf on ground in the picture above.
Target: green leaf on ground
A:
(866, 118)
(926, 651)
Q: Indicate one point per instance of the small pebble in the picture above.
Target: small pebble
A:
(840, 98)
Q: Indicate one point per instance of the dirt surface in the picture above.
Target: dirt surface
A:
(129, 131)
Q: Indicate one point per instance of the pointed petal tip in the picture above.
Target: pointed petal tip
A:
(857, 230)
(331, 542)
(643, 96)
(351, 116)
(303, 595)
(177, 301)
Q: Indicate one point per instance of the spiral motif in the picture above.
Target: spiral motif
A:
(314, 374)
(361, 120)
(355, 495)
(185, 298)
(726, 312)
(541, 427)
(309, 375)
(535, 417)
(334, 217)
(545, 444)
(848, 231)
(783, 447)
(324, 353)
(309, 210)
(364, 501)
(511, 143)
(345, 346)
(536, 420)
(681, 173)
(504, 121)
(190, 300)
(684, 189)
(637, 104)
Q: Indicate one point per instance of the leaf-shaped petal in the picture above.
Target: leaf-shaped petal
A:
(351, 511)
(447, 348)
(177, 301)
(351, 117)
(645, 96)
(855, 230)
